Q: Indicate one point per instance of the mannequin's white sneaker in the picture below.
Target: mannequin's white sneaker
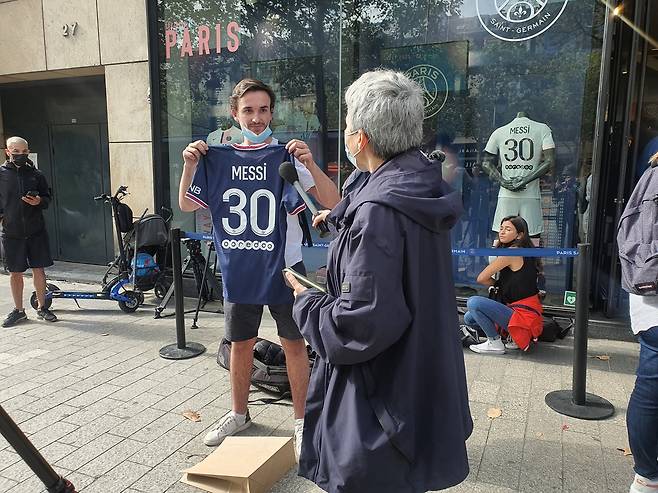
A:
(490, 346)
(226, 427)
(644, 485)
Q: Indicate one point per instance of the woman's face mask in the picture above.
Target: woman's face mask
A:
(352, 157)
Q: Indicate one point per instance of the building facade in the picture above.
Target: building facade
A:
(561, 89)
(75, 82)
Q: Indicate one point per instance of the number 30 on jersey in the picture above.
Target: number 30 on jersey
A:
(256, 198)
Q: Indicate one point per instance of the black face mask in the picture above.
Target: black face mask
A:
(19, 159)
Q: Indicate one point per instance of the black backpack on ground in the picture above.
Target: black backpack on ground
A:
(554, 330)
(269, 370)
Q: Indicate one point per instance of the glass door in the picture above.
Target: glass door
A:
(631, 138)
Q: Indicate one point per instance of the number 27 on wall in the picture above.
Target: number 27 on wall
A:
(69, 29)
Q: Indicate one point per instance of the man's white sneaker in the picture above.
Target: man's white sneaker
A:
(644, 485)
(490, 346)
(511, 345)
(299, 431)
(226, 427)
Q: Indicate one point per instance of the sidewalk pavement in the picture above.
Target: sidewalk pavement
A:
(94, 396)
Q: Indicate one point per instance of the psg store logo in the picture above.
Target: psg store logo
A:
(519, 20)
(434, 85)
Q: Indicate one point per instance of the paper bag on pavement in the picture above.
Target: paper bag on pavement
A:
(243, 465)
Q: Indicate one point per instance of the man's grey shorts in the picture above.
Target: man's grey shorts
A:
(241, 321)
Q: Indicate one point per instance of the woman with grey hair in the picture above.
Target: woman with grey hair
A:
(387, 408)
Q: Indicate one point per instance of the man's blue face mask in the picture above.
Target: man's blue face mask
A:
(256, 138)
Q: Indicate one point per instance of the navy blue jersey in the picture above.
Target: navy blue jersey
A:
(249, 203)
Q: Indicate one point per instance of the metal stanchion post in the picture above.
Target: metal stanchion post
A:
(53, 482)
(577, 403)
(182, 349)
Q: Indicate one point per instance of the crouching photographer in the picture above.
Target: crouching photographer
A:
(513, 306)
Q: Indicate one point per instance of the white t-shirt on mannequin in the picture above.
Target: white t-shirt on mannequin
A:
(519, 146)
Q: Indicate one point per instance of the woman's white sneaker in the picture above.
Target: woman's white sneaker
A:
(510, 345)
(490, 346)
(644, 485)
(227, 426)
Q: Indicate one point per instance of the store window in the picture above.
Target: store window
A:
(510, 93)
(208, 46)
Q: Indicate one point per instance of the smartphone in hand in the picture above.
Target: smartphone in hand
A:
(304, 280)
(32, 193)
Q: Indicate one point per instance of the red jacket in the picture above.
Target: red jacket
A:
(526, 323)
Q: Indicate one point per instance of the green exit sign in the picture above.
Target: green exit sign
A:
(570, 298)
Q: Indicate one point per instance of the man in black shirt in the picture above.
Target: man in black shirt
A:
(24, 195)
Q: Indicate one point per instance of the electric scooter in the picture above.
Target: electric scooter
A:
(118, 287)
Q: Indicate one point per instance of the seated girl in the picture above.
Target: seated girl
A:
(516, 308)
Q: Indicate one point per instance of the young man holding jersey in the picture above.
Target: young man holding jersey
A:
(219, 179)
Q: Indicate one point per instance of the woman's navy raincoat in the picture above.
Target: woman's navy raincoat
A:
(387, 407)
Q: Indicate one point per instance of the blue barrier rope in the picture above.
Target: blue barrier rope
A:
(515, 252)
(458, 252)
(196, 236)
(503, 252)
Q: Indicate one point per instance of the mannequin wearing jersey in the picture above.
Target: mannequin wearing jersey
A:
(516, 156)
(525, 152)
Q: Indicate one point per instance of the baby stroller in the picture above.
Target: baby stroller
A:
(140, 265)
(145, 250)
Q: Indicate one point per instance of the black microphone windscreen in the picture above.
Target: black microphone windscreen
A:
(288, 172)
(437, 155)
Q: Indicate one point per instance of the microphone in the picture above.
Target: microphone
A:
(437, 155)
(289, 173)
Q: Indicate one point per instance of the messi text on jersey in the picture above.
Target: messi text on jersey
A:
(249, 172)
(525, 129)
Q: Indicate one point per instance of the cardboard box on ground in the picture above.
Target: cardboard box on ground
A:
(243, 465)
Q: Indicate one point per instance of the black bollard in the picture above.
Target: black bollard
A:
(577, 403)
(182, 349)
(53, 482)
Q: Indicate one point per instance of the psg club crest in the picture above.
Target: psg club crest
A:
(434, 85)
(519, 20)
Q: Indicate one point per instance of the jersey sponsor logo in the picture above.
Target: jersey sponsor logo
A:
(519, 166)
(266, 246)
(519, 20)
(434, 84)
